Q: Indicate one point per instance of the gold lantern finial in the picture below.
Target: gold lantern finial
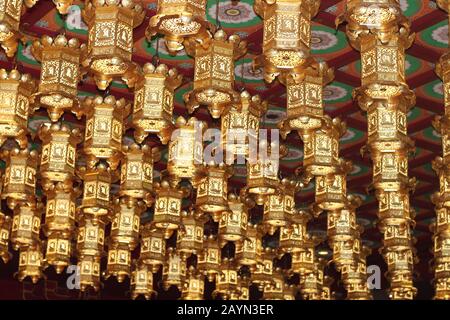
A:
(110, 43)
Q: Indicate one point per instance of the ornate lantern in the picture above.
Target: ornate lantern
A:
(31, 263)
(331, 190)
(153, 102)
(91, 238)
(110, 43)
(208, 260)
(190, 237)
(142, 282)
(58, 156)
(227, 280)
(233, 222)
(194, 286)
(341, 225)
(10, 13)
(19, 181)
(26, 226)
(178, 20)
(240, 125)
(174, 270)
(214, 73)
(212, 188)
(293, 236)
(390, 170)
(15, 94)
(136, 174)
(60, 72)
(5, 231)
(263, 275)
(153, 247)
(441, 168)
(305, 100)
(186, 148)
(276, 289)
(104, 128)
(394, 205)
(249, 251)
(287, 35)
(89, 267)
(59, 251)
(96, 193)
(346, 252)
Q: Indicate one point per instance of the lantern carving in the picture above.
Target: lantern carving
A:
(89, 267)
(190, 237)
(208, 260)
(262, 276)
(227, 280)
(249, 251)
(214, 73)
(178, 20)
(60, 73)
(153, 247)
(331, 190)
(110, 42)
(233, 222)
(174, 270)
(31, 263)
(91, 238)
(194, 286)
(15, 105)
(153, 102)
(26, 225)
(5, 232)
(293, 236)
(142, 282)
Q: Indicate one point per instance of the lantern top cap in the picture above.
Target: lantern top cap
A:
(59, 41)
(15, 75)
(49, 128)
(108, 100)
(24, 153)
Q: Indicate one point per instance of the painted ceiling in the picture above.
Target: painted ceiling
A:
(329, 44)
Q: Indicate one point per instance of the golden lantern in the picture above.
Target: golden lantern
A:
(321, 147)
(186, 149)
(227, 280)
(63, 6)
(5, 232)
(142, 282)
(19, 181)
(97, 181)
(119, 262)
(390, 170)
(31, 263)
(16, 90)
(346, 252)
(397, 233)
(212, 188)
(153, 102)
(341, 225)
(174, 270)
(263, 274)
(249, 250)
(214, 73)
(208, 260)
(294, 235)
(303, 260)
(312, 283)
(110, 42)
(233, 222)
(178, 20)
(279, 207)
(89, 275)
(153, 247)
(262, 172)
(167, 215)
(90, 238)
(10, 14)
(243, 291)
(240, 125)
(26, 226)
(60, 218)
(305, 100)
(58, 157)
(104, 128)
(190, 237)
(287, 35)
(394, 205)
(136, 174)
(60, 72)
(194, 286)
(441, 168)
(331, 190)
(278, 289)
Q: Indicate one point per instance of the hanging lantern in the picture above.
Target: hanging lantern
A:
(60, 224)
(90, 238)
(263, 275)
(341, 225)
(136, 174)
(240, 125)
(10, 14)
(190, 237)
(305, 100)
(208, 260)
(321, 147)
(174, 270)
(58, 157)
(293, 236)
(110, 43)
(119, 262)
(390, 170)
(178, 20)
(89, 275)
(243, 291)
(104, 129)
(346, 252)
(227, 280)
(249, 251)
(168, 207)
(303, 260)
(26, 226)
(193, 287)
(5, 232)
(394, 205)
(96, 193)
(153, 102)
(275, 290)
(233, 222)
(212, 188)
(214, 73)
(311, 284)
(31, 263)
(142, 282)
(287, 35)
(397, 233)
(60, 60)
(279, 207)
(441, 169)
(153, 247)
(15, 104)
(186, 149)
(331, 190)
(63, 6)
